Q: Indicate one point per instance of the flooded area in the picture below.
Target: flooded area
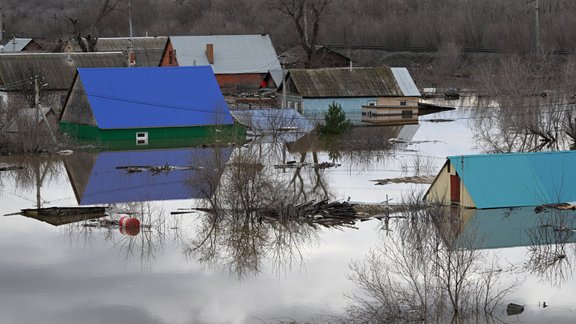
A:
(223, 238)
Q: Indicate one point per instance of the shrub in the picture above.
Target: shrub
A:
(335, 121)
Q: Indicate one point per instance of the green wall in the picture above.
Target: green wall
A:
(160, 137)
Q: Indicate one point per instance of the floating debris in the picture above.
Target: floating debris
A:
(561, 206)
(10, 167)
(514, 309)
(317, 166)
(413, 179)
(155, 168)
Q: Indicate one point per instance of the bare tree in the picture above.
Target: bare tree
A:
(86, 35)
(306, 15)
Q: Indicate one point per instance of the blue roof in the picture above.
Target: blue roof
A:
(107, 184)
(154, 97)
(518, 179)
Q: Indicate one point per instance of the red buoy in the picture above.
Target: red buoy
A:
(129, 225)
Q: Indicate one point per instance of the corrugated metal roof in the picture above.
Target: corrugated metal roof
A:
(15, 45)
(518, 179)
(107, 184)
(155, 97)
(265, 121)
(405, 82)
(57, 70)
(148, 50)
(233, 54)
(345, 82)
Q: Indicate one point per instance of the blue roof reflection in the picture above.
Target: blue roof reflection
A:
(107, 184)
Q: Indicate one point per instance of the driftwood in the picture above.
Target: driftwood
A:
(561, 206)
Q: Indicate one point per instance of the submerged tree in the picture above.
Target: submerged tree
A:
(423, 272)
(335, 121)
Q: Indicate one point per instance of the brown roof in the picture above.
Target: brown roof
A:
(56, 70)
(147, 50)
(345, 82)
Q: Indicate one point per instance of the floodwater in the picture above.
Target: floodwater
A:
(187, 266)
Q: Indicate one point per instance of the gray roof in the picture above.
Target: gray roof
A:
(148, 50)
(346, 82)
(15, 45)
(233, 54)
(405, 82)
(57, 70)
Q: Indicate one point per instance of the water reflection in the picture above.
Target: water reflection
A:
(234, 231)
(548, 236)
(360, 148)
(416, 274)
(128, 176)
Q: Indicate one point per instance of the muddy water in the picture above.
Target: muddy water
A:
(196, 268)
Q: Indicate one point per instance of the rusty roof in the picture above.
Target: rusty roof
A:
(346, 82)
(56, 70)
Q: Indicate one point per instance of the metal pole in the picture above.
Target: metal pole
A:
(283, 88)
(537, 13)
(130, 43)
(39, 114)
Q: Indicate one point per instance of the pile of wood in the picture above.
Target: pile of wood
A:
(323, 212)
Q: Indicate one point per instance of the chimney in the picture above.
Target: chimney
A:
(210, 53)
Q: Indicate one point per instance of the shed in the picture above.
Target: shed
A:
(506, 180)
(296, 58)
(312, 91)
(146, 107)
(240, 62)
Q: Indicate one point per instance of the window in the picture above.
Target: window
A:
(406, 113)
(142, 138)
(403, 103)
(371, 103)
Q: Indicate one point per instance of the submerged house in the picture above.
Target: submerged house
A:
(53, 73)
(146, 107)
(240, 62)
(506, 180)
(365, 94)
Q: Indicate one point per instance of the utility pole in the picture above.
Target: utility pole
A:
(131, 58)
(536, 24)
(39, 114)
(1, 24)
(284, 87)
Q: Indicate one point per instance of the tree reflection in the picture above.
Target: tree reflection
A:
(33, 173)
(247, 218)
(551, 243)
(535, 107)
(420, 274)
